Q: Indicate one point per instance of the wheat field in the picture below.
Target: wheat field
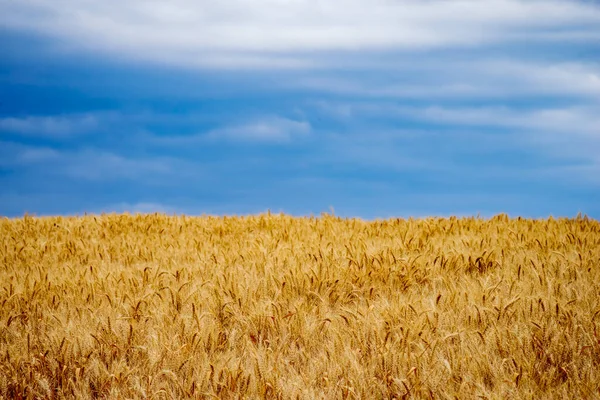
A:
(274, 306)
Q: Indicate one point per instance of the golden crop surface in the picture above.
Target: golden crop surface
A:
(272, 306)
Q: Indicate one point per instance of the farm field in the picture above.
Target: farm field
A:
(274, 306)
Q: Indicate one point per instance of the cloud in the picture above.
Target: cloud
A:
(139, 208)
(562, 78)
(262, 130)
(90, 164)
(50, 126)
(445, 78)
(14, 154)
(98, 165)
(568, 120)
(263, 32)
(567, 138)
(38, 155)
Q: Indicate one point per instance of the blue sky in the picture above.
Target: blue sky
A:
(375, 109)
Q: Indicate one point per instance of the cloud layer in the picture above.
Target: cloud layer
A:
(288, 33)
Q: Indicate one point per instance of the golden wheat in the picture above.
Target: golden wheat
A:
(271, 306)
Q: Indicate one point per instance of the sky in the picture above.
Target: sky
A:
(369, 109)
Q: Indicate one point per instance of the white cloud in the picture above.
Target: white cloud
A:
(98, 165)
(582, 120)
(92, 164)
(15, 154)
(262, 32)
(52, 126)
(560, 142)
(262, 130)
(440, 78)
(34, 155)
(570, 120)
(564, 78)
(139, 208)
